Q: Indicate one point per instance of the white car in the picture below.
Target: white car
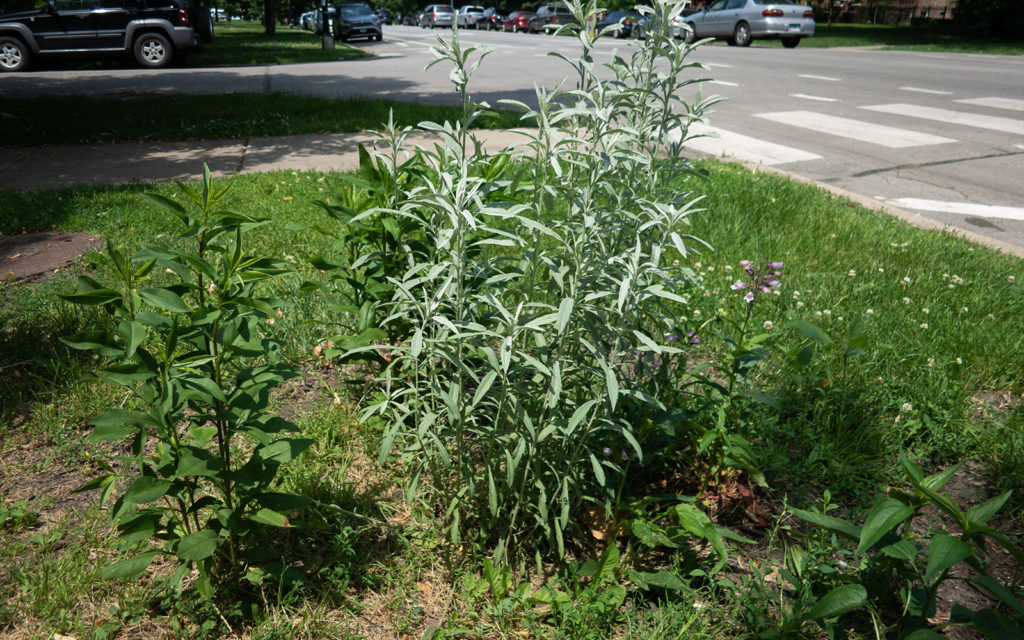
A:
(739, 22)
(468, 15)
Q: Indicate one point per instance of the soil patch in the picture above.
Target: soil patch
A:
(36, 255)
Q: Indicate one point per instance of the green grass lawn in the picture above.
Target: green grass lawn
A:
(244, 43)
(904, 38)
(941, 378)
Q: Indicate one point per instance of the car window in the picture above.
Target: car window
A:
(736, 4)
(352, 10)
(718, 6)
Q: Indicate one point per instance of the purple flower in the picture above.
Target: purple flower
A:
(694, 338)
(763, 277)
(607, 451)
(739, 284)
(749, 297)
(775, 265)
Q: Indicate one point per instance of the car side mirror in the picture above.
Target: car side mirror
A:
(49, 7)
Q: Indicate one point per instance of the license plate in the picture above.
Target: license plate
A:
(794, 27)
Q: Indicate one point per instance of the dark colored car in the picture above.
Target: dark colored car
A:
(491, 19)
(157, 33)
(356, 20)
(385, 16)
(550, 17)
(517, 21)
(621, 21)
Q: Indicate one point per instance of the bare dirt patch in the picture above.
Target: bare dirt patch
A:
(37, 255)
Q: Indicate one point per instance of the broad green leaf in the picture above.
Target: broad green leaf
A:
(998, 626)
(140, 527)
(197, 462)
(199, 545)
(133, 333)
(938, 480)
(125, 375)
(924, 634)
(944, 551)
(1001, 593)
(831, 523)
(285, 449)
(165, 299)
(484, 387)
(97, 341)
(810, 331)
(840, 600)
(883, 517)
(982, 513)
(612, 596)
(691, 519)
(662, 579)
(128, 568)
(269, 517)
(146, 489)
(579, 414)
(416, 345)
(902, 550)
(598, 469)
(93, 297)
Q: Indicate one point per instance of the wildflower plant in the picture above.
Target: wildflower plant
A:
(513, 380)
(197, 366)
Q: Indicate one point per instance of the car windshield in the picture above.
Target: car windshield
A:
(442, 8)
(352, 10)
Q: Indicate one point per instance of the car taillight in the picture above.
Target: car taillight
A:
(628, 23)
(772, 13)
(183, 18)
(808, 14)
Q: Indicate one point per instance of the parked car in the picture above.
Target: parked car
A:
(356, 20)
(437, 15)
(739, 22)
(622, 21)
(490, 19)
(155, 35)
(517, 21)
(318, 20)
(384, 16)
(550, 17)
(467, 15)
(306, 20)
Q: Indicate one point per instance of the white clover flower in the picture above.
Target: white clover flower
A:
(696, 313)
(931, 362)
(869, 312)
(991, 317)
(710, 269)
(768, 325)
(833, 236)
(800, 304)
(776, 292)
(881, 270)
(957, 279)
(697, 266)
(907, 407)
(827, 312)
(906, 300)
(796, 294)
(270, 321)
(840, 318)
(1011, 279)
(951, 286)
(945, 276)
(924, 310)
(728, 268)
(963, 309)
(959, 361)
(924, 325)
(905, 280)
(817, 313)
(851, 273)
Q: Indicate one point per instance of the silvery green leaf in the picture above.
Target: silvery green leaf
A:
(564, 312)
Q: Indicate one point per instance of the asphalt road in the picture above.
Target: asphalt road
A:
(935, 133)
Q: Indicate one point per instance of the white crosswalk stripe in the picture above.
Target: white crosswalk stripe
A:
(869, 132)
(744, 148)
(996, 103)
(963, 208)
(963, 118)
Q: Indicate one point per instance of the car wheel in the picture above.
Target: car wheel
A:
(691, 34)
(515, 28)
(379, 37)
(741, 36)
(790, 43)
(638, 33)
(153, 51)
(617, 34)
(14, 55)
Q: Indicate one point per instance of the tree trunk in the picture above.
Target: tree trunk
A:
(270, 17)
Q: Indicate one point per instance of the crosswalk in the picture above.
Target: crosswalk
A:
(957, 120)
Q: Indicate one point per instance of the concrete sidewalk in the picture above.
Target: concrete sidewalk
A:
(35, 168)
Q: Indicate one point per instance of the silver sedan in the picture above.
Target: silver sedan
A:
(740, 22)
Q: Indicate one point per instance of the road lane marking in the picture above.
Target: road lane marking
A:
(854, 129)
(994, 123)
(996, 103)
(963, 208)
(723, 83)
(807, 97)
(932, 91)
(742, 147)
(826, 78)
(720, 66)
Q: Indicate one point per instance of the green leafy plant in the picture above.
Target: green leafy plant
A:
(198, 370)
(514, 380)
(901, 553)
(17, 514)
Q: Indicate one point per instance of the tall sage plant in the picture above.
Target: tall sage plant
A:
(550, 267)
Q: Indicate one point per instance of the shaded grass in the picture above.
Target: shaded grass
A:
(43, 120)
(904, 38)
(244, 43)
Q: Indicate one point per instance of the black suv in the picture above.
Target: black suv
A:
(551, 16)
(156, 32)
(357, 20)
